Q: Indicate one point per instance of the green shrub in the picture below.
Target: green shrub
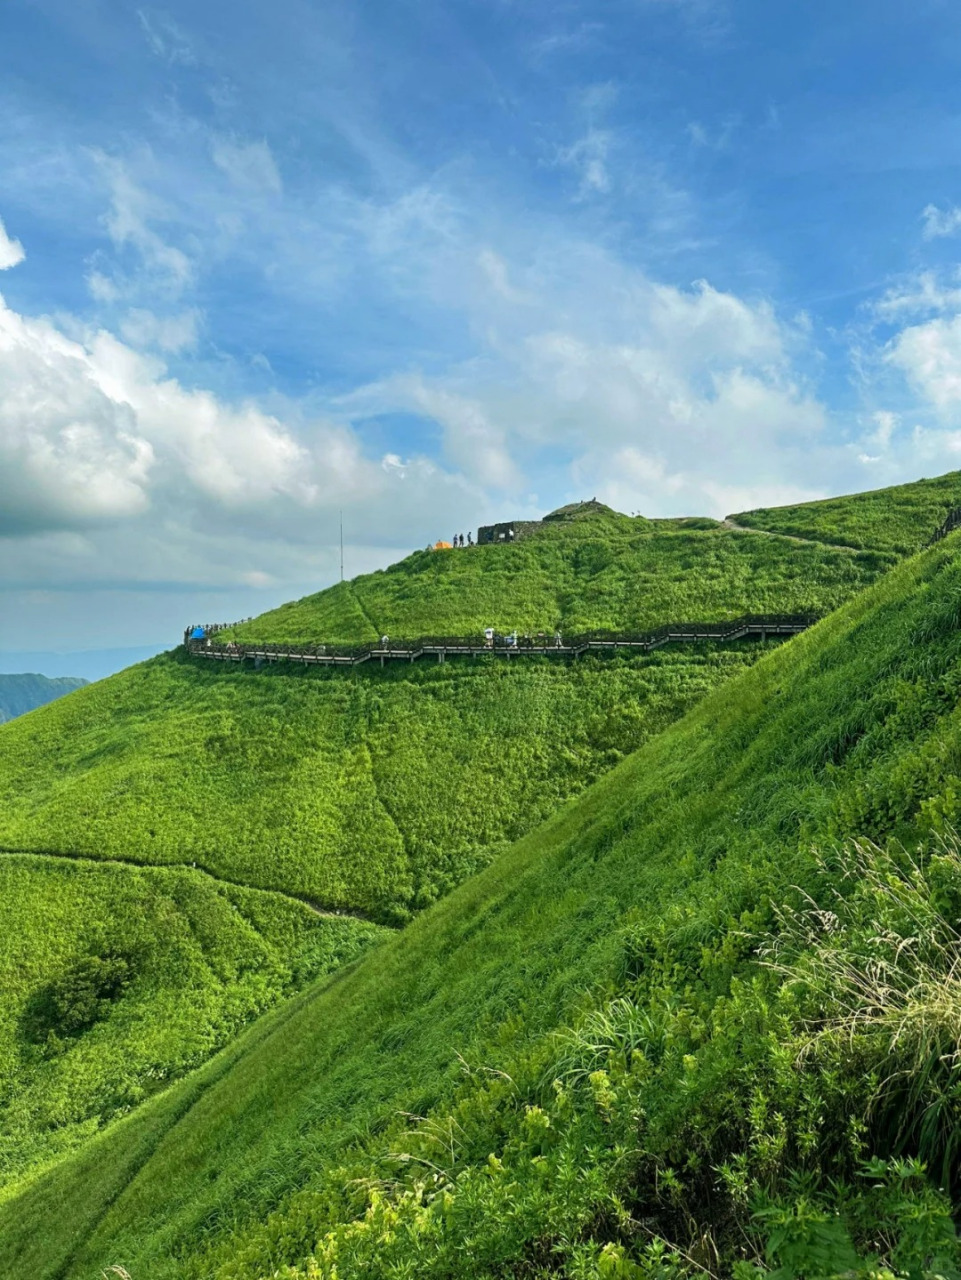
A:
(81, 996)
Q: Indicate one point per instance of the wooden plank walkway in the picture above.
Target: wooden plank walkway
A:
(442, 648)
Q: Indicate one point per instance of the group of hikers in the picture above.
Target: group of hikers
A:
(459, 539)
(512, 640)
(204, 630)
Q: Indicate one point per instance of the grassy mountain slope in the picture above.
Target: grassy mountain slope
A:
(373, 792)
(21, 693)
(897, 520)
(680, 1100)
(599, 571)
(117, 979)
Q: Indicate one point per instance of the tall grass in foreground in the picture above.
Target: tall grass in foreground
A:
(881, 963)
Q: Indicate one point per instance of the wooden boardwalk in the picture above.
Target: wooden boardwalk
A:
(441, 648)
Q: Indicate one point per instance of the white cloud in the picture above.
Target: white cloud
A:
(70, 454)
(132, 211)
(929, 355)
(250, 166)
(940, 222)
(172, 334)
(11, 251)
(474, 442)
(922, 295)
(167, 40)
(95, 435)
(497, 276)
(588, 157)
(101, 287)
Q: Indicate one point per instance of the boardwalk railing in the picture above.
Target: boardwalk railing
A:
(951, 522)
(549, 645)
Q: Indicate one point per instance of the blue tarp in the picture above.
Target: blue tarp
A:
(197, 633)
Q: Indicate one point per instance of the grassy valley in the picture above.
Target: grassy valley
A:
(631, 1046)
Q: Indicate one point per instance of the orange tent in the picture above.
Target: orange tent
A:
(443, 546)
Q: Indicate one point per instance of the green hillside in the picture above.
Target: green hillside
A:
(368, 794)
(371, 794)
(662, 1035)
(597, 570)
(21, 693)
(116, 980)
(898, 520)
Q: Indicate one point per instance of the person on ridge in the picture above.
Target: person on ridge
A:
(470, 539)
(384, 641)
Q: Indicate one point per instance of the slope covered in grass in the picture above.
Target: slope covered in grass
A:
(371, 791)
(599, 1057)
(898, 520)
(117, 979)
(597, 571)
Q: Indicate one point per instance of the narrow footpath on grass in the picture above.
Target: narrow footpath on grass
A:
(325, 912)
(728, 523)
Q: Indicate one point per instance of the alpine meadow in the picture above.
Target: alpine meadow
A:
(623, 963)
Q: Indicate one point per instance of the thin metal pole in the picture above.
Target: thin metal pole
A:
(341, 544)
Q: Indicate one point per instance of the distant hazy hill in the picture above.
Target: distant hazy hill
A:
(22, 693)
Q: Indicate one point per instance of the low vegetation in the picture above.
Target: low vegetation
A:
(601, 571)
(898, 520)
(118, 979)
(632, 1046)
(373, 792)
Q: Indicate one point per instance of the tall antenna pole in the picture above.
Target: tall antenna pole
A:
(342, 544)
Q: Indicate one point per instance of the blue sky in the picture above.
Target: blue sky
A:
(440, 263)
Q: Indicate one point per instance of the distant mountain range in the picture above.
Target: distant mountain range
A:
(21, 693)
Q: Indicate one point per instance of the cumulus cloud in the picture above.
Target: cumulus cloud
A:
(90, 430)
(929, 355)
(11, 251)
(70, 454)
(940, 222)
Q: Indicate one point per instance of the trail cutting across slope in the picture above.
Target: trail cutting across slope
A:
(326, 912)
(728, 523)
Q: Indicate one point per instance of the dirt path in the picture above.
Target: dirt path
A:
(370, 621)
(728, 523)
(88, 859)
